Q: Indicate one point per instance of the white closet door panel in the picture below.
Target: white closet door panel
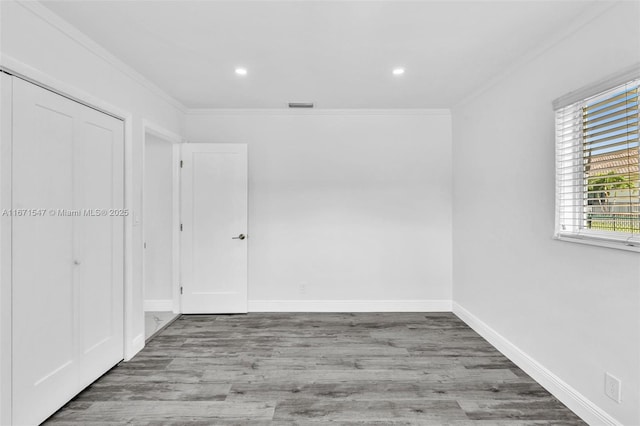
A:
(67, 268)
(99, 240)
(44, 323)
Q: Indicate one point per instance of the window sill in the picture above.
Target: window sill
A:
(599, 242)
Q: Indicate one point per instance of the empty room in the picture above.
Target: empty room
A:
(319, 212)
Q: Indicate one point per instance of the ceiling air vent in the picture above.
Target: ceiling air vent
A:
(300, 104)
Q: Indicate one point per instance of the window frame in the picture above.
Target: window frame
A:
(627, 241)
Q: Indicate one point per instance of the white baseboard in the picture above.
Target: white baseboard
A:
(573, 399)
(158, 305)
(349, 305)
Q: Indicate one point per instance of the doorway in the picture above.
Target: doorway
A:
(160, 229)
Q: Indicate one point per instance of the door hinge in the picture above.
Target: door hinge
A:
(181, 164)
(180, 289)
(145, 244)
(181, 227)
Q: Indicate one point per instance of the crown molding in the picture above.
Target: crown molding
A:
(305, 111)
(83, 40)
(599, 9)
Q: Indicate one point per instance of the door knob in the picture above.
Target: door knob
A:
(239, 237)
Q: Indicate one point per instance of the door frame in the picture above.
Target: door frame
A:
(166, 136)
(132, 343)
(5, 250)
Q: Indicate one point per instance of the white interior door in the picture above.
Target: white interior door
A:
(214, 228)
(67, 282)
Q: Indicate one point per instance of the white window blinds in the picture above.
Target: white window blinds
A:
(597, 172)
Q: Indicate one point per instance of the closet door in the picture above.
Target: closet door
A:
(99, 241)
(45, 362)
(67, 268)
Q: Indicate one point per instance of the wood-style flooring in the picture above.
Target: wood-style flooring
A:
(290, 368)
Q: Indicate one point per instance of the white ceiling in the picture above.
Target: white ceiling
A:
(338, 54)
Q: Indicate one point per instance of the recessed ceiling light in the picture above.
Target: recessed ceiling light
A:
(398, 71)
(241, 71)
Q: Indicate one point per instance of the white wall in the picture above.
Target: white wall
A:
(343, 205)
(573, 308)
(40, 44)
(158, 220)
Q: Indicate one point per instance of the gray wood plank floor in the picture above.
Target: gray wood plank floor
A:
(350, 369)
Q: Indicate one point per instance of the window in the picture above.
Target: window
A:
(597, 171)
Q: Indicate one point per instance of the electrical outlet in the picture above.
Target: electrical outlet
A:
(303, 287)
(612, 387)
